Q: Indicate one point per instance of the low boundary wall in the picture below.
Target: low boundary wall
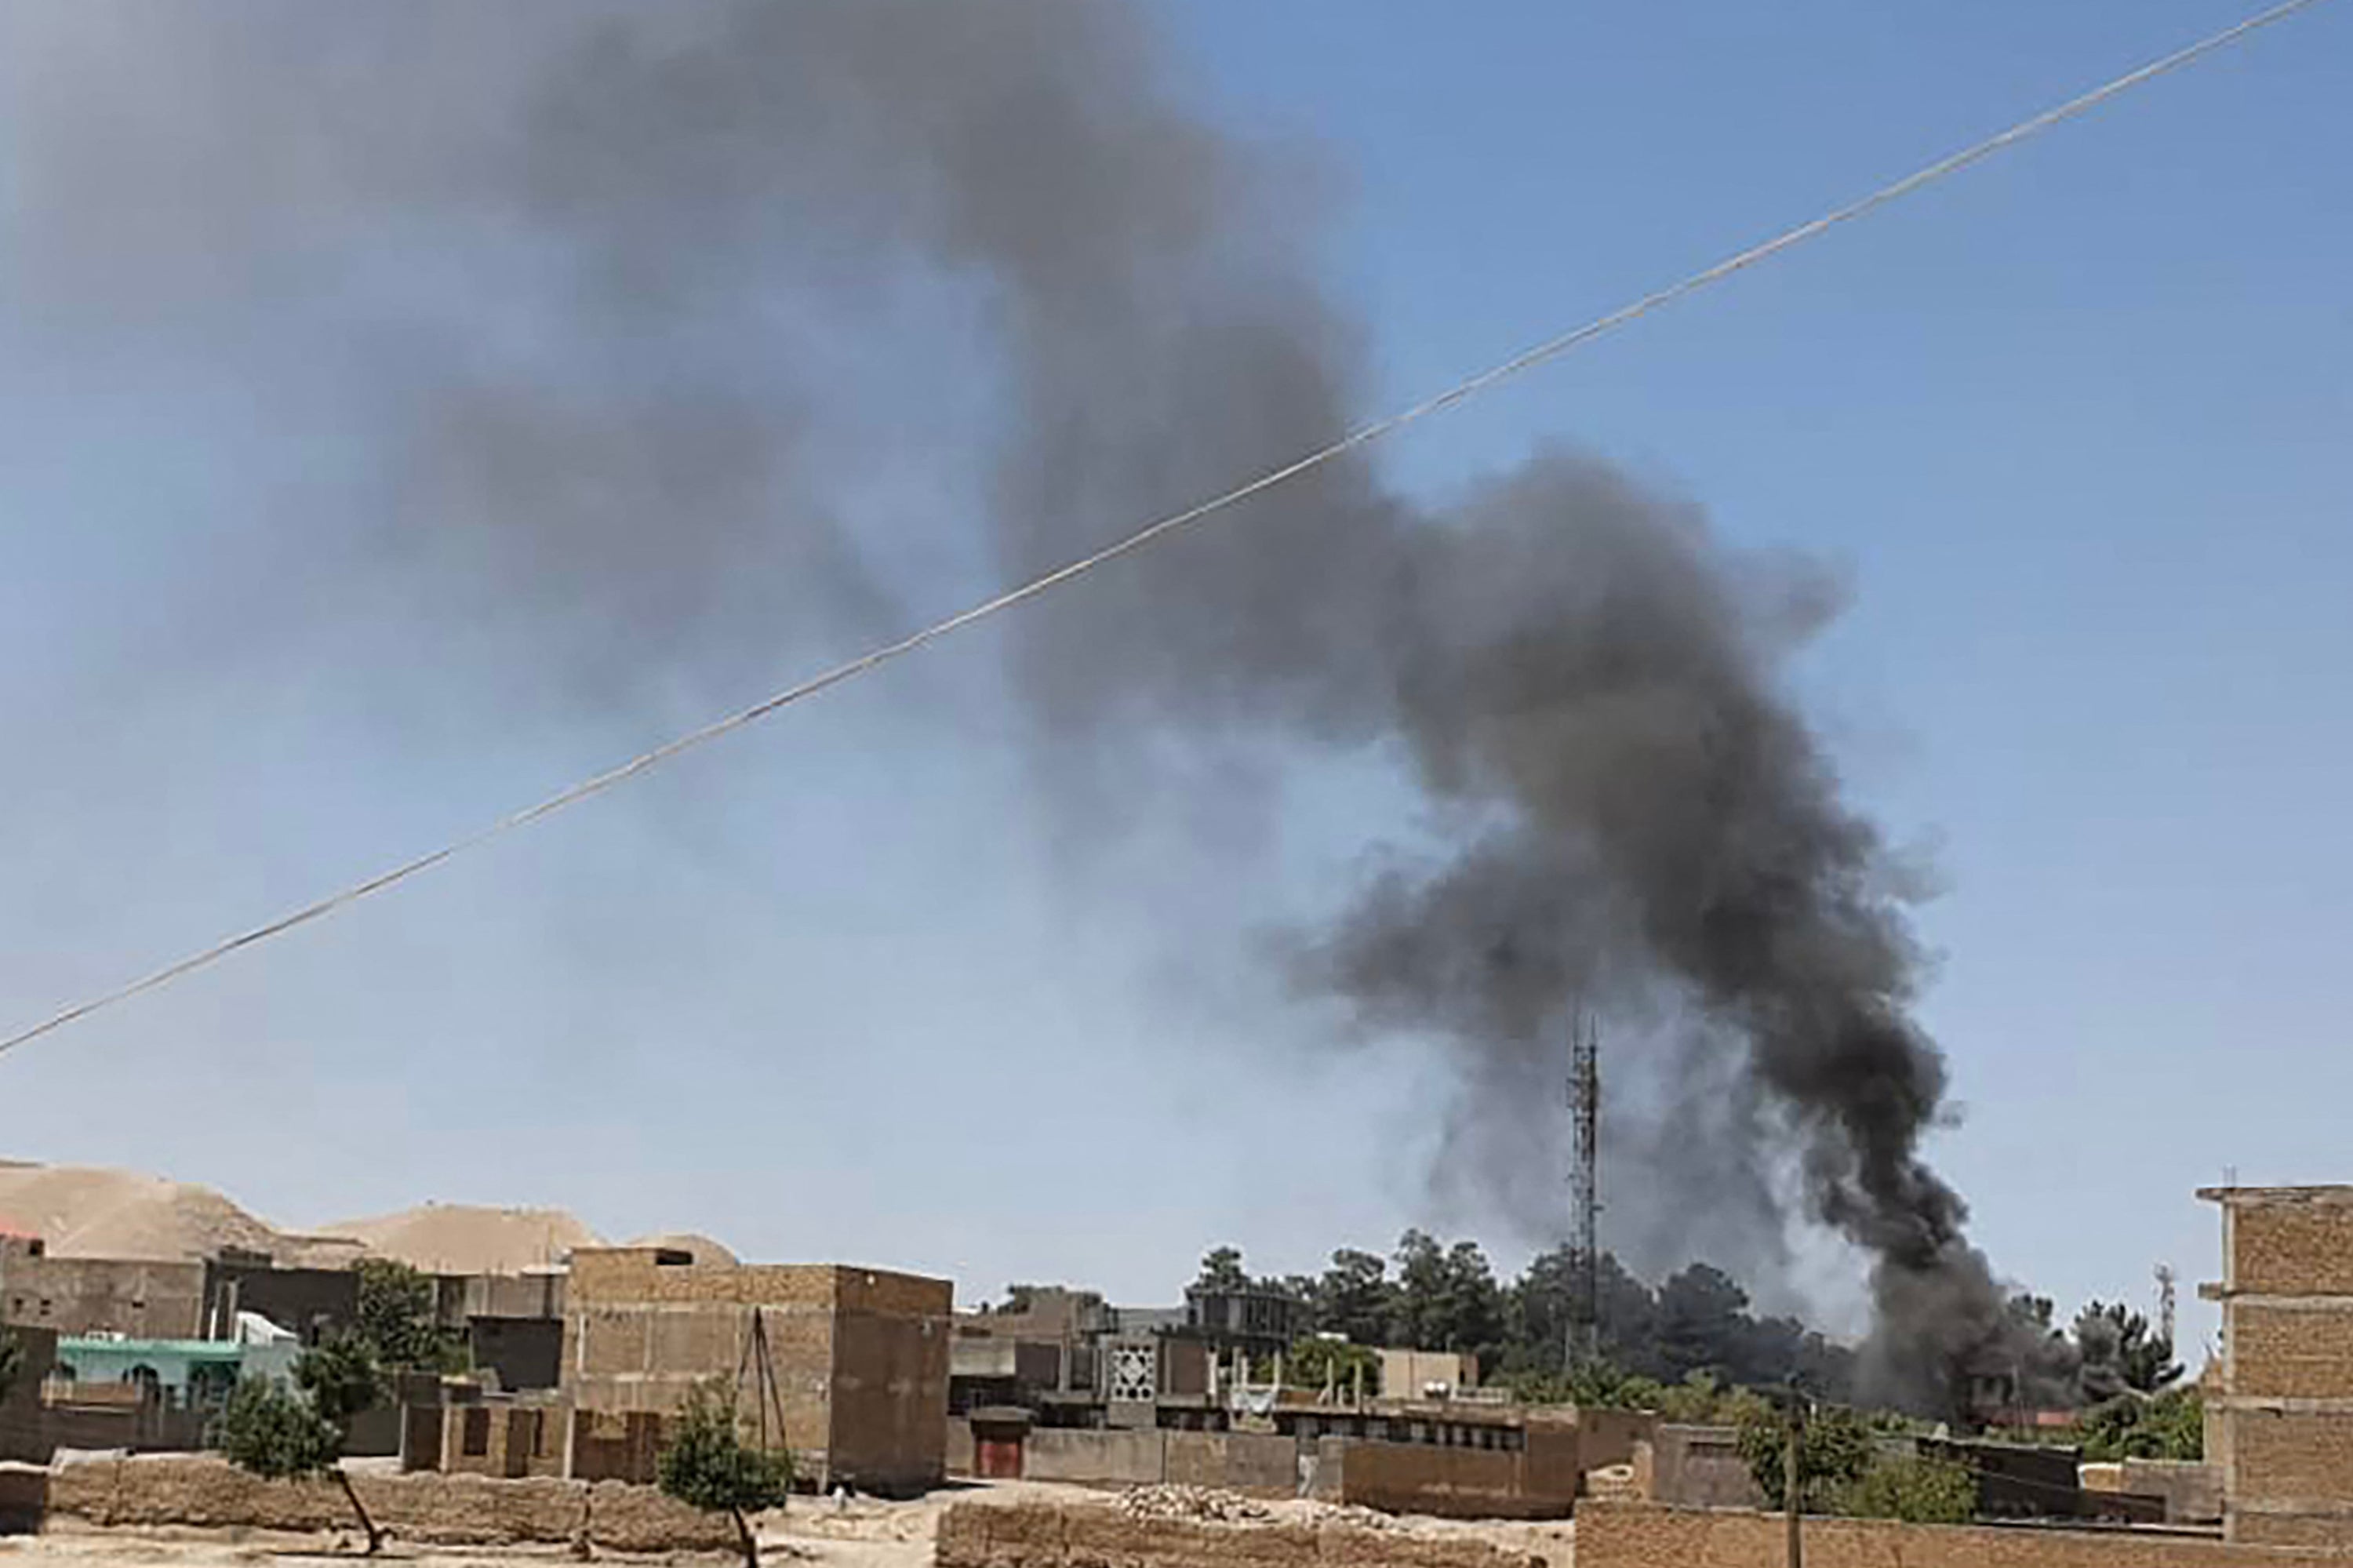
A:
(1060, 1535)
(1635, 1535)
(453, 1509)
(1256, 1463)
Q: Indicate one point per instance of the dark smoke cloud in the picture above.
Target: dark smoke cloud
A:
(587, 272)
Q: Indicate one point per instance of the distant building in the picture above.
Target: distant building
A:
(857, 1358)
(1427, 1374)
(1260, 1322)
(179, 1374)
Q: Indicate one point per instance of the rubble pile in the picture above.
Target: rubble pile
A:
(1192, 1504)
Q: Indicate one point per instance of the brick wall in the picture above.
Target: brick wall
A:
(2292, 1245)
(861, 1356)
(2280, 1423)
(615, 1446)
(2283, 1349)
(2277, 1454)
(2319, 1531)
(504, 1439)
(1622, 1536)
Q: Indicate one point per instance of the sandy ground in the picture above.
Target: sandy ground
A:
(864, 1534)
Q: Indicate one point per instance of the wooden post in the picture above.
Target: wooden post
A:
(1792, 1491)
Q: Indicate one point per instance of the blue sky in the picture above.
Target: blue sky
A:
(2073, 426)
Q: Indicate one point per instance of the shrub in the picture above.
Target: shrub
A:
(708, 1465)
(1916, 1490)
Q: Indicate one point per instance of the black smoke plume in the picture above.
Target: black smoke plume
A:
(1587, 687)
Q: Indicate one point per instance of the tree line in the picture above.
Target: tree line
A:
(1697, 1327)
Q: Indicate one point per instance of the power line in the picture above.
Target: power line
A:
(1152, 532)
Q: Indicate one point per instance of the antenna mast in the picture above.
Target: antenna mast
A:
(1585, 1191)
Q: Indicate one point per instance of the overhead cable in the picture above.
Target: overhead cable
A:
(1152, 532)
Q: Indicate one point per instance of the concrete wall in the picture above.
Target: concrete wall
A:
(513, 1294)
(1700, 1466)
(959, 1446)
(1607, 1436)
(1405, 1374)
(521, 1352)
(151, 1493)
(1257, 1463)
(23, 1497)
(308, 1302)
(103, 1296)
(2191, 1489)
(20, 1412)
(1048, 1535)
(1622, 1536)
(1463, 1483)
(1090, 1459)
(889, 1390)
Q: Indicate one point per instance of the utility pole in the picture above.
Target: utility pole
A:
(1584, 1337)
(1792, 1491)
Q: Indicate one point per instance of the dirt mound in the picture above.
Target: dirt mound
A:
(704, 1248)
(87, 1211)
(463, 1238)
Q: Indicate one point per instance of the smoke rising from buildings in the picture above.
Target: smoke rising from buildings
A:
(584, 275)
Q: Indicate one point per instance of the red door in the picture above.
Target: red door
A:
(997, 1458)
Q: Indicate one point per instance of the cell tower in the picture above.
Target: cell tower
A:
(1585, 1191)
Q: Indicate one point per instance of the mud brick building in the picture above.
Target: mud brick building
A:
(859, 1356)
(2280, 1416)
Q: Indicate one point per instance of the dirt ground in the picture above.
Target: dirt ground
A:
(862, 1534)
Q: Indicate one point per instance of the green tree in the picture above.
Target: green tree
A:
(2119, 1350)
(1702, 1318)
(1423, 1288)
(1916, 1490)
(1354, 1297)
(1472, 1319)
(1222, 1271)
(1318, 1362)
(1834, 1454)
(397, 1319)
(708, 1465)
(281, 1436)
(2170, 1426)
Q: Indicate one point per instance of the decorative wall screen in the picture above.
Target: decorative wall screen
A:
(1132, 1373)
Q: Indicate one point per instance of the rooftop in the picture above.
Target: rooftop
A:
(183, 1349)
(2252, 1197)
